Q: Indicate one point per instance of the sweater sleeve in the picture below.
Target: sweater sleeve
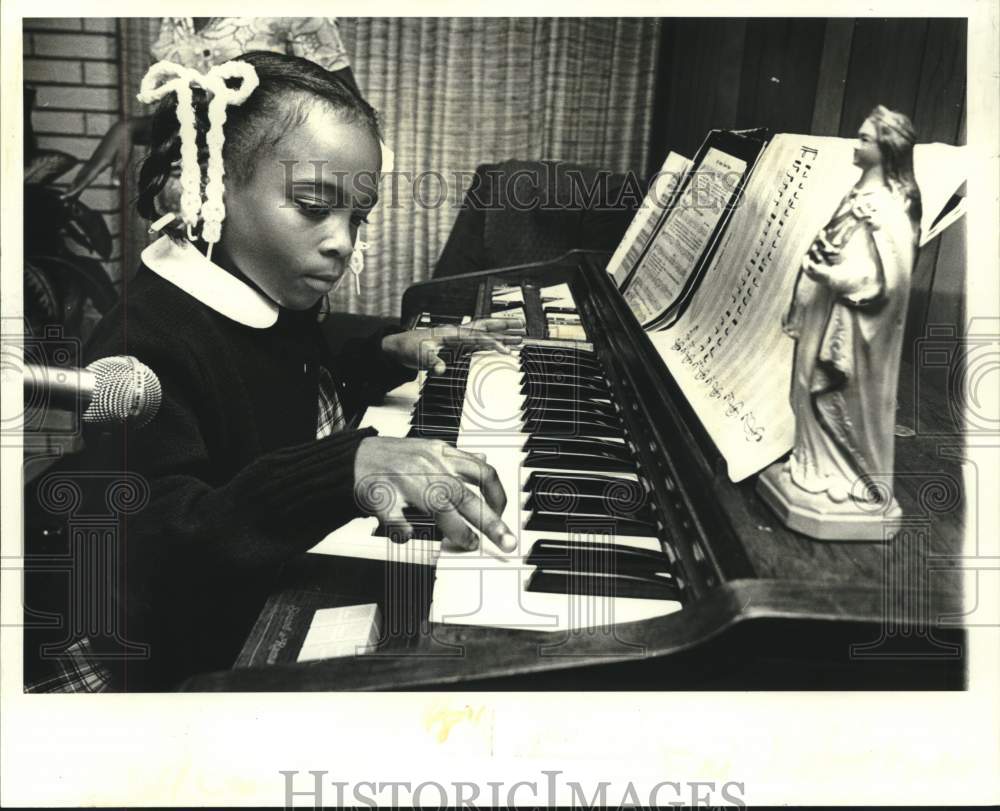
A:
(276, 507)
(200, 502)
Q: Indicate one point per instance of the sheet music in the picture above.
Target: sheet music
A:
(727, 351)
(947, 220)
(940, 170)
(640, 231)
(665, 269)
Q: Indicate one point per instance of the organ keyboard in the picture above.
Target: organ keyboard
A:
(545, 419)
(638, 563)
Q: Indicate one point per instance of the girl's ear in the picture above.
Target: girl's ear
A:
(168, 199)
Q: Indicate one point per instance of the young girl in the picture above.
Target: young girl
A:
(250, 460)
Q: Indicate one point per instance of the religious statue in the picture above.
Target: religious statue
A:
(847, 317)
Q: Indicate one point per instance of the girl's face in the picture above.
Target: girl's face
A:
(866, 153)
(291, 228)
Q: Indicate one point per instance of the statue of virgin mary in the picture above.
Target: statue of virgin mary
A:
(847, 316)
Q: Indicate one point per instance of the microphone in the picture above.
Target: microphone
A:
(115, 389)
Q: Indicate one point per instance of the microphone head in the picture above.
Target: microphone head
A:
(126, 390)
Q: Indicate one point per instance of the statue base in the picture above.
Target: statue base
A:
(815, 515)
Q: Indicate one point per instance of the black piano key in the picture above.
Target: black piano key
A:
(450, 437)
(572, 444)
(432, 418)
(573, 390)
(452, 375)
(624, 491)
(447, 434)
(438, 399)
(559, 352)
(571, 416)
(540, 521)
(563, 356)
(573, 504)
(572, 368)
(598, 558)
(544, 406)
(444, 381)
(567, 428)
(576, 461)
(440, 386)
(442, 407)
(394, 532)
(416, 514)
(573, 427)
(422, 523)
(552, 408)
(596, 433)
(453, 400)
(561, 377)
(575, 366)
(560, 582)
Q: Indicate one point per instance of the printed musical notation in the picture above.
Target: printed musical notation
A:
(727, 351)
(674, 253)
(643, 226)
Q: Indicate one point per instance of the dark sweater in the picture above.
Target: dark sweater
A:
(237, 482)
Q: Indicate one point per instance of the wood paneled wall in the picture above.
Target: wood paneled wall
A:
(822, 76)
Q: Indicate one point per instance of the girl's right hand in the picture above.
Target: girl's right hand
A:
(430, 475)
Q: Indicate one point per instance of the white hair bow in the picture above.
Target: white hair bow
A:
(167, 77)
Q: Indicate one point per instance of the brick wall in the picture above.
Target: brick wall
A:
(73, 64)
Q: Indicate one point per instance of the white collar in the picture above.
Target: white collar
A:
(183, 265)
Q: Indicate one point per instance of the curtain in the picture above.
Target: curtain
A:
(455, 93)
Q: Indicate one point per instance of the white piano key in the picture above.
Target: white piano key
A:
(558, 295)
(478, 588)
(472, 588)
(355, 540)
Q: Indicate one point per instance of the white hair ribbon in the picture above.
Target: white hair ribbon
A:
(357, 263)
(168, 77)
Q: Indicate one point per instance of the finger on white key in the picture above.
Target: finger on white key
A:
(483, 519)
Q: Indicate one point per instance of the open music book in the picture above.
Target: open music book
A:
(647, 219)
(725, 348)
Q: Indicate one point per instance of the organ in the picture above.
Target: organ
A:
(640, 563)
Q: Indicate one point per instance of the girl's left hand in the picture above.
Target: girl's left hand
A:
(419, 348)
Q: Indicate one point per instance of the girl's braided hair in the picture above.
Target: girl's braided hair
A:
(289, 87)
